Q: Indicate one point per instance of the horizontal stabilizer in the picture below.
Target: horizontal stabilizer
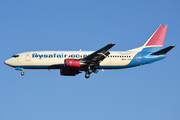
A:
(163, 51)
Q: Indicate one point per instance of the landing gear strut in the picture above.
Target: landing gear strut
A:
(22, 73)
(88, 72)
(20, 69)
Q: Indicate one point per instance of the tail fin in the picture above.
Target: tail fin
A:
(155, 42)
(157, 38)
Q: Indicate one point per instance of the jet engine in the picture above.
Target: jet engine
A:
(73, 63)
(69, 72)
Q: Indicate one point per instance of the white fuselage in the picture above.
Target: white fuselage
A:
(37, 59)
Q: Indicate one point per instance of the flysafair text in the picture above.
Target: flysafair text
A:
(55, 55)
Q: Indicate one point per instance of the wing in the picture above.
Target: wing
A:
(98, 56)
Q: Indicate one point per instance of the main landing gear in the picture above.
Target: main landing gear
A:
(89, 71)
(87, 75)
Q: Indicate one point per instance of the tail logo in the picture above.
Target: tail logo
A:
(138, 57)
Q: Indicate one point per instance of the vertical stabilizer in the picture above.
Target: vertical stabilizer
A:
(157, 38)
(155, 42)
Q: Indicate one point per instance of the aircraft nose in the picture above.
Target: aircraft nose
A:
(7, 62)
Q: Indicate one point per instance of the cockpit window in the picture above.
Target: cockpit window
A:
(15, 56)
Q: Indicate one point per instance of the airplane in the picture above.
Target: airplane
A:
(72, 63)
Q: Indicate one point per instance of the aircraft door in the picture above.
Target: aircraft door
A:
(27, 57)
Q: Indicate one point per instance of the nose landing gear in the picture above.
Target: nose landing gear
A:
(21, 69)
(22, 73)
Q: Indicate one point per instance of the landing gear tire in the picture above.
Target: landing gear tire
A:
(87, 75)
(22, 73)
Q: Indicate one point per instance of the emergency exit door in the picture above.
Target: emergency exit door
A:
(27, 57)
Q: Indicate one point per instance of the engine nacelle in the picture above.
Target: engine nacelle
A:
(72, 63)
(69, 72)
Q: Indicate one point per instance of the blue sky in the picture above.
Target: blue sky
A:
(149, 92)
